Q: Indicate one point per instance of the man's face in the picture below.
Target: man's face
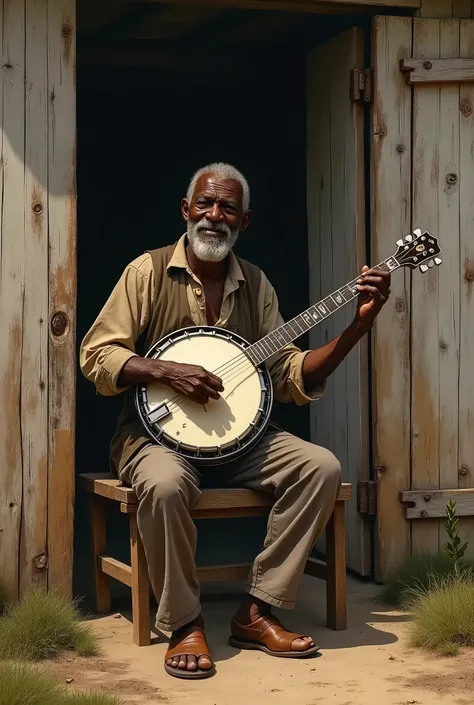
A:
(215, 217)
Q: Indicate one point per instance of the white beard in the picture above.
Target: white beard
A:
(211, 248)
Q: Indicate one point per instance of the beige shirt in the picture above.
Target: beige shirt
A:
(110, 342)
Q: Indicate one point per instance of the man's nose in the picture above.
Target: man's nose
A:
(214, 213)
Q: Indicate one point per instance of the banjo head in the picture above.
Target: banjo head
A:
(223, 429)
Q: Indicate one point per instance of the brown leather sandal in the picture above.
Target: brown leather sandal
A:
(192, 643)
(268, 635)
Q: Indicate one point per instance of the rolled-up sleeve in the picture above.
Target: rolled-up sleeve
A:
(110, 342)
(286, 366)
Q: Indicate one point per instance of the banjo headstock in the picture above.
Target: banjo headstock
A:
(418, 250)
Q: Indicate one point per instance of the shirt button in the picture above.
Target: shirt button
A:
(198, 292)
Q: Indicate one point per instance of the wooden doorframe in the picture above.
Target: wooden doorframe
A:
(306, 6)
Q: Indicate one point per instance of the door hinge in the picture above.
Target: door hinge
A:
(367, 497)
(362, 85)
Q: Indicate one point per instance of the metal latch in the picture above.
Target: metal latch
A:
(367, 497)
(362, 85)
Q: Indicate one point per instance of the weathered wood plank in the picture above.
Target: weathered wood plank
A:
(448, 274)
(62, 283)
(462, 8)
(34, 376)
(336, 208)
(466, 266)
(436, 8)
(432, 503)
(116, 569)
(12, 290)
(425, 318)
(391, 219)
(431, 70)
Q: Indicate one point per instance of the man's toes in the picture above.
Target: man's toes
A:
(182, 662)
(205, 663)
(192, 663)
(174, 662)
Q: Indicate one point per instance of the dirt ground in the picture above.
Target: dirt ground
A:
(368, 664)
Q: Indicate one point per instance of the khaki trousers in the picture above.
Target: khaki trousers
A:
(305, 481)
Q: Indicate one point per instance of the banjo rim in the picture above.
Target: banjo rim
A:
(210, 455)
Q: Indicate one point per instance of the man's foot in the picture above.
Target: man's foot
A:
(188, 653)
(254, 627)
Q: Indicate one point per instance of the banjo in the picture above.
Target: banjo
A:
(230, 426)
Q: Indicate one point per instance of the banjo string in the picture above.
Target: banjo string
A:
(234, 372)
(233, 365)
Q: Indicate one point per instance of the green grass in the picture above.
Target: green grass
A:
(42, 625)
(25, 684)
(92, 699)
(414, 572)
(22, 684)
(443, 613)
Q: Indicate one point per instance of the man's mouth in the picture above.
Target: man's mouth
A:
(211, 233)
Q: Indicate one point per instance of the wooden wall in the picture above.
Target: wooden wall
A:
(424, 345)
(447, 8)
(37, 292)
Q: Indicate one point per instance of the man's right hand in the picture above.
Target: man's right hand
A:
(191, 381)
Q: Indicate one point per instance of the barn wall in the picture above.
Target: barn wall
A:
(37, 292)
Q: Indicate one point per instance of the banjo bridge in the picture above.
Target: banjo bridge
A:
(157, 414)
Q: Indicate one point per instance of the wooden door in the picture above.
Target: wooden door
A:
(337, 251)
(423, 177)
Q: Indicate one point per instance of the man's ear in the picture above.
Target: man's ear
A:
(246, 221)
(185, 208)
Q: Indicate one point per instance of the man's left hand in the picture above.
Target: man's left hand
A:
(374, 288)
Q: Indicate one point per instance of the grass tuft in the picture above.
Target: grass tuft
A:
(92, 699)
(22, 684)
(443, 613)
(42, 625)
(415, 572)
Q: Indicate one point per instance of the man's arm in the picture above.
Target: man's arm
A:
(300, 376)
(319, 364)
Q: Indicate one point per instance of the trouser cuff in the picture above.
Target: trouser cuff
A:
(275, 602)
(173, 626)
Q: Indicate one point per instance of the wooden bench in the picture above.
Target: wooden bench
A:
(213, 504)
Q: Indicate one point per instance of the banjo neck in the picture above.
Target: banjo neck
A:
(311, 317)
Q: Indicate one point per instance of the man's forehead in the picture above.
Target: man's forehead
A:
(227, 187)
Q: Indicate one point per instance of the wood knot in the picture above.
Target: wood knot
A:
(400, 306)
(400, 148)
(423, 513)
(451, 179)
(59, 323)
(427, 65)
(464, 471)
(11, 505)
(469, 270)
(7, 67)
(66, 31)
(466, 108)
(38, 208)
(443, 345)
(427, 496)
(41, 561)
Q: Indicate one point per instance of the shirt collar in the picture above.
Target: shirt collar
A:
(180, 261)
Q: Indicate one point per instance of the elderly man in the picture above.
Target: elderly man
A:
(196, 281)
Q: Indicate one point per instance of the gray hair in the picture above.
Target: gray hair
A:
(224, 172)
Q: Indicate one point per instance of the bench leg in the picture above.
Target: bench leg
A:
(99, 545)
(140, 587)
(336, 569)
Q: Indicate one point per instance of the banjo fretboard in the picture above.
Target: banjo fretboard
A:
(303, 322)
